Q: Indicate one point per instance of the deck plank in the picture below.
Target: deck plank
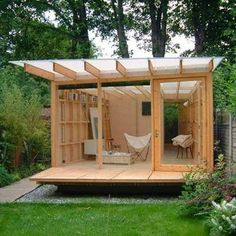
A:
(166, 176)
(88, 172)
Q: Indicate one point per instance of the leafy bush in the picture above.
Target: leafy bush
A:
(5, 177)
(202, 188)
(223, 218)
(24, 130)
(25, 171)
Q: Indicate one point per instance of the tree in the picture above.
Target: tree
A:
(109, 20)
(72, 17)
(150, 18)
(158, 15)
(207, 21)
(27, 24)
(119, 22)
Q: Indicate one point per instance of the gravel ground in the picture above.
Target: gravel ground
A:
(49, 194)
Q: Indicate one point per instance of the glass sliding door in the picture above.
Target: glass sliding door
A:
(178, 124)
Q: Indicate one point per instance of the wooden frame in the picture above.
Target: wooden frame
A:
(206, 127)
(70, 116)
(157, 121)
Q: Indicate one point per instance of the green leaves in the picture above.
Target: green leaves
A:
(202, 188)
(21, 125)
(225, 88)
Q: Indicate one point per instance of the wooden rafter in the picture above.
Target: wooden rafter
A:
(113, 93)
(143, 92)
(177, 91)
(64, 71)
(195, 87)
(121, 69)
(92, 69)
(211, 65)
(39, 72)
(151, 68)
(181, 66)
(126, 93)
(162, 92)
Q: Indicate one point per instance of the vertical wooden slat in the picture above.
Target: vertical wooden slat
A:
(162, 137)
(209, 108)
(99, 148)
(54, 125)
(157, 123)
(204, 122)
(152, 124)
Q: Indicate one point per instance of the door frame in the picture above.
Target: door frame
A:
(158, 130)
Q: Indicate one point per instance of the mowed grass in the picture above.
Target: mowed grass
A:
(97, 219)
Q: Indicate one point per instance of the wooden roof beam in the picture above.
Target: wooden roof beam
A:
(177, 91)
(143, 92)
(195, 88)
(39, 72)
(64, 71)
(211, 65)
(181, 66)
(121, 69)
(151, 68)
(92, 69)
(126, 93)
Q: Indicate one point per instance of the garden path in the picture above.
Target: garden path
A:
(12, 192)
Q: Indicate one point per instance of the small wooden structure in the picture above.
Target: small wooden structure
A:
(118, 88)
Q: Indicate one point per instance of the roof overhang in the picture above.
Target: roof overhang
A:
(79, 71)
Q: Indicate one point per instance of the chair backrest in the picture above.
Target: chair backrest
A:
(138, 143)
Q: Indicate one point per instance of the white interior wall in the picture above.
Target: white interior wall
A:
(126, 117)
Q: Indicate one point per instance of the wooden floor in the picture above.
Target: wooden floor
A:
(88, 172)
(170, 157)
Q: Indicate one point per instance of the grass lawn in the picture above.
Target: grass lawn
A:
(93, 218)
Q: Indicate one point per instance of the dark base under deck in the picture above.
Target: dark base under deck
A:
(164, 189)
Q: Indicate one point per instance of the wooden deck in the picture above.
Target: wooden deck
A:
(88, 172)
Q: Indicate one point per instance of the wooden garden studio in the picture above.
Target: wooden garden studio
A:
(110, 84)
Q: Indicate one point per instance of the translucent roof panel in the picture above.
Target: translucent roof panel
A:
(135, 90)
(174, 88)
(135, 67)
(77, 66)
(193, 65)
(103, 65)
(187, 84)
(45, 65)
(133, 64)
(168, 91)
(169, 86)
(121, 68)
(185, 91)
(166, 66)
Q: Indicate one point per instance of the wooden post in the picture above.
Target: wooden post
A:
(209, 108)
(152, 124)
(100, 144)
(204, 122)
(54, 124)
(157, 130)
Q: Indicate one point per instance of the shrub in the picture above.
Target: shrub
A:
(223, 218)
(24, 130)
(5, 177)
(202, 188)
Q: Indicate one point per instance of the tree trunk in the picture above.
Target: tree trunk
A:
(199, 24)
(80, 43)
(120, 28)
(158, 24)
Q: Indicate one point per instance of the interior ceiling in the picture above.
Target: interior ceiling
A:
(170, 90)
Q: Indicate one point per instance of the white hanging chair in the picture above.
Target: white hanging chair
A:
(137, 145)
